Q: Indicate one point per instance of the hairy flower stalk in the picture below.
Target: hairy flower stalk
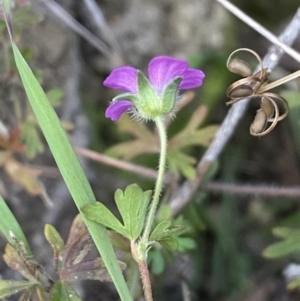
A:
(151, 99)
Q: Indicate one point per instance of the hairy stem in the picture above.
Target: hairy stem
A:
(143, 267)
(160, 178)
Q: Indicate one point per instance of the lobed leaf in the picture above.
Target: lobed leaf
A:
(10, 287)
(132, 205)
(63, 291)
(93, 269)
(283, 248)
(102, 215)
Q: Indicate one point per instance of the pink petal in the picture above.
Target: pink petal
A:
(163, 69)
(192, 78)
(123, 78)
(117, 108)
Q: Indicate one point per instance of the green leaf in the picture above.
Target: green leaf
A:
(55, 95)
(32, 139)
(133, 204)
(56, 242)
(10, 287)
(159, 230)
(283, 248)
(170, 243)
(102, 215)
(9, 225)
(180, 163)
(186, 244)
(63, 291)
(285, 232)
(93, 269)
(156, 261)
(164, 229)
(66, 159)
(20, 264)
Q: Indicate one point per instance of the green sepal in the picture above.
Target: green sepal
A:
(102, 215)
(10, 287)
(126, 96)
(148, 104)
(169, 95)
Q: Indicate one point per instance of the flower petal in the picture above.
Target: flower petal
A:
(123, 78)
(192, 78)
(163, 69)
(117, 108)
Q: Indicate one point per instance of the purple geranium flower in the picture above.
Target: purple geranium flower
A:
(166, 76)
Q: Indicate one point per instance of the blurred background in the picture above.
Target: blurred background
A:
(72, 46)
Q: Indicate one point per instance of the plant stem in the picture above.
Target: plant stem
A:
(279, 82)
(159, 182)
(143, 267)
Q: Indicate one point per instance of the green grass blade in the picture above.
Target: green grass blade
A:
(70, 168)
(9, 223)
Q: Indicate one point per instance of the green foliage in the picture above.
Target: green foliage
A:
(55, 95)
(163, 232)
(65, 157)
(62, 290)
(289, 245)
(32, 139)
(132, 205)
(9, 226)
(147, 142)
(10, 287)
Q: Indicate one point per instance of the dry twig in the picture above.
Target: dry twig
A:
(184, 194)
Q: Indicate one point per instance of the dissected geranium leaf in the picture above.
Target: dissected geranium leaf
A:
(146, 141)
(165, 229)
(17, 263)
(62, 290)
(102, 215)
(132, 205)
(10, 287)
(93, 269)
(77, 245)
(32, 139)
(170, 243)
(26, 177)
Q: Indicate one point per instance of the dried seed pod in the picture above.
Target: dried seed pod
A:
(273, 97)
(239, 67)
(241, 91)
(259, 123)
(267, 106)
